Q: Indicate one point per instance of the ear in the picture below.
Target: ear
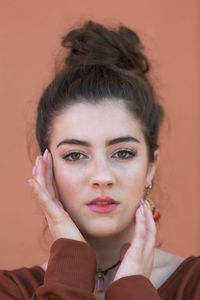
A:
(152, 168)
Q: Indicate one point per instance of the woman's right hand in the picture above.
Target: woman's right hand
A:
(59, 221)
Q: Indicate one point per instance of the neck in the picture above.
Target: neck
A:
(108, 248)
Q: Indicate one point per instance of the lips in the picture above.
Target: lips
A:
(103, 201)
(103, 205)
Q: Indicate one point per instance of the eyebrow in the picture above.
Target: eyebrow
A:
(109, 143)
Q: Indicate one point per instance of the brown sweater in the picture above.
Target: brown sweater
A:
(70, 275)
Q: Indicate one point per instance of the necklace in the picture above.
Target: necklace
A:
(100, 276)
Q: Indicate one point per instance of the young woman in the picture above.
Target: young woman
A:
(97, 128)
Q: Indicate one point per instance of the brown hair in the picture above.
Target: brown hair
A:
(101, 64)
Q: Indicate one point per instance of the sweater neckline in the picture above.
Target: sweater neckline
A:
(165, 283)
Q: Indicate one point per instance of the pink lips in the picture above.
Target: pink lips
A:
(95, 205)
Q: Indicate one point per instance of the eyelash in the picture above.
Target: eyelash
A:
(131, 154)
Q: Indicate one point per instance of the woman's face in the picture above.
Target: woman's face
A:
(99, 164)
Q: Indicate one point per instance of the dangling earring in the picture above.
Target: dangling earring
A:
(155, 212)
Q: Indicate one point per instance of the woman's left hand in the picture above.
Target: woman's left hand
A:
(138, 259)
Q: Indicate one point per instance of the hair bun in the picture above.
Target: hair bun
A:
(94, 44)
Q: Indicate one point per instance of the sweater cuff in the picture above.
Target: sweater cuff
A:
(133, 287)
(72, 263)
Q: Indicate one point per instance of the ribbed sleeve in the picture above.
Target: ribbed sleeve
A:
(70, 273)
(136, 287)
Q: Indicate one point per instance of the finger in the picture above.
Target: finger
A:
(151, 229)
(49, 174)
(43, 171)
(34, 169)
(138, 242)
(50, 206)
(40, 175)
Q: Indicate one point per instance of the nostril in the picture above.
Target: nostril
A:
(103, 183)
(102, 179)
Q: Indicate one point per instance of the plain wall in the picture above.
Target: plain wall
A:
(30, 35)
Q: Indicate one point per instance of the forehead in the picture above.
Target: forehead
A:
(95, 121)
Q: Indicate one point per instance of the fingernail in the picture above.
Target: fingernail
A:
(142, 210)
(45, 154)
(34, 170)
(141, 201)
(37, 161)
(147, 204)
(30, 182)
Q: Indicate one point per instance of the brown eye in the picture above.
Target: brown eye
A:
(73, 156)
(125, 154)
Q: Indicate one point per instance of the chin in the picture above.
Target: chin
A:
(107, 230)
(99, 234)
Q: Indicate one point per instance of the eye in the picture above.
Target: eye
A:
(125, 154)
(73, 156)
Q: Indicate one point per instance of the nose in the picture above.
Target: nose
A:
(102, 176)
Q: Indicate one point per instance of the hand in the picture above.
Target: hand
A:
(138, 258)
(59, 222)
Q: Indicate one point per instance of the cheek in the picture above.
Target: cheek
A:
(67, 185)
(135, 180)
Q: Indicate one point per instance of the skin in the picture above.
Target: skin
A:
(99, 170)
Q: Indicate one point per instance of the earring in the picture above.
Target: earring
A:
(155, 212)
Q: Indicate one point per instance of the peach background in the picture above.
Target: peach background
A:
(30, 33)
